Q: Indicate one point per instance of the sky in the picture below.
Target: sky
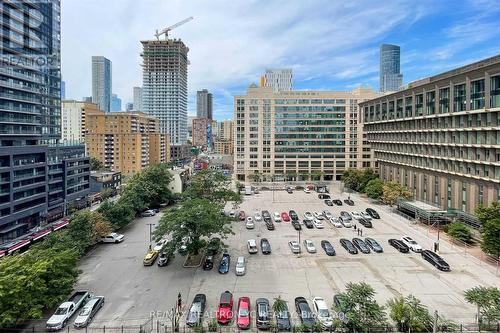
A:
(329, 44)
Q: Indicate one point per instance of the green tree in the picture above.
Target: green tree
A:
(409, 314)
(487, 301)
(85, 230)
(279, 305)
(196, 220)
(211, 185)
(97, 165)
(118, 214)
(460, 231)
(392, 191)
(357, 179)
(361, 309)
(490, 228)
(374, 188)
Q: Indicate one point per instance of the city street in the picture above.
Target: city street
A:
(134, 292)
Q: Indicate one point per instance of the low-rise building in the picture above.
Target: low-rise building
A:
(101, 180)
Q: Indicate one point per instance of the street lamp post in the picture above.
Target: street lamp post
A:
(150, 231)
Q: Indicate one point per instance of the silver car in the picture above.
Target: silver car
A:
(88, 312)
(240, 266)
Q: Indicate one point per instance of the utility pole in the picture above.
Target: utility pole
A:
(435, 323)
(150, 231)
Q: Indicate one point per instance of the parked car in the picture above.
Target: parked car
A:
(318, 224)
(113, 238)
(196, 311)
(242, 215)
(414, 246)
(326, 214)
(265, 246)
(309, 245)
(262, 314)
(296, 225)
(366, 223)
(336, 222)
(308, 216)
(283, 319)
(346, 244)
(232, 213)
(366, 216)
(293, 215)
(340, 304)
(208, 263)
(240, 266)
(266, 215)
(214, 245)
(346, 215)
(322, 314)
(64, 312)
(338, 202)
(399, 245)
(360, 245)
(163, 259)
(328, 247)
(249, 224)
(243, 316)
(373, 213)
(294, 247)
(306, 190)
(148, 213)
(150, 258)
(349, 202)
(88, 311)
(257, 216)
(329, 202)
(323, 196)
(270, 225)
(374, 245)
(285, 217)
(289, 190)
(224, 263)
(224, 313)
(436, 260)
(160, 244)
(345, 222)
(309, 224)
(304, 311)
(318, 215)
(356, 215)
(277, 217)
(252, 246)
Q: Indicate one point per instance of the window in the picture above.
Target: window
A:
(419, 107)
(495, 91)
(464, 196)
(430, 102)
(477, 94)
(448, 192)
(444, 100)
(481, 194)
(459, 98)
(408, 106)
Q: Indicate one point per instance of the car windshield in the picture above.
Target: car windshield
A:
(61, 311)
(323, 313)
(263, 311)
(411, 241)
(240, 264)
(243, 312)
(85, 311)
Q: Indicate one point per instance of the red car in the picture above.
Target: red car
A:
(242, 215)
(225, 310)
(243, 319)
(285, 217)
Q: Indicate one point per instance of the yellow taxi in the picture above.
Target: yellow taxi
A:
(150, 257)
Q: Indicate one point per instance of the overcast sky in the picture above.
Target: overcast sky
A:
(331, 44)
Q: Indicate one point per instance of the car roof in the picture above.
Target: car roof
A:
(252, 242)
(226, 297)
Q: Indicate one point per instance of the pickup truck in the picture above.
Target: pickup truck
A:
(64, 312)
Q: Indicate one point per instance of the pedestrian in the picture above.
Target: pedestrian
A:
(361, 232)
(354, 227)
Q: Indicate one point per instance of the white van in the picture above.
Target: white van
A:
(252, 246)
(248, 190)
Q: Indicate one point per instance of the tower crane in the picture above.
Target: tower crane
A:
(166, 30)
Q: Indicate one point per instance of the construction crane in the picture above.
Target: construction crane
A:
(166, 30)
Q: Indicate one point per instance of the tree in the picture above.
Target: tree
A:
(118, 214)
(211, 185)
(374, 188)
(487, 300)
(361, 309)
(97, 165)
(460, 231)
(409, 314)
(85, 230)
(255, 177)
(196, 220)
(357, 179)
(279, 305)
(392, 191)
(490, 228)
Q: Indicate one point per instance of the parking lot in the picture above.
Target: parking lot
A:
(134, 292)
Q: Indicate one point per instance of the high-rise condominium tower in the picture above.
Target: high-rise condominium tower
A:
(204, 104)
(164, 86)
(278, 79)
(101, 82)
(390, 77)
(116, 103)
(138, 98)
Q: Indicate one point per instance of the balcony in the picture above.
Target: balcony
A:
(10, 72)
(20, 98)
(19, 87)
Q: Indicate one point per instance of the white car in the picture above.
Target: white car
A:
(277, 217)
(148, 213)
(257, 216)
(414, 246)
(113, 238)
(308, 216)
(345, 222)
(306, 190)
(250, 224)
(318, 224)
(232, 213)
(366, 216)
(322, 313)
(294, 246)
(327, 214)
(309, 246)
(160, 245)
(252, 246)
(240, 266)
(336, 222)
(356, 215)
(318, 215)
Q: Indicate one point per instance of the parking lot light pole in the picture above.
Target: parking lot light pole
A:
(150, 231)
